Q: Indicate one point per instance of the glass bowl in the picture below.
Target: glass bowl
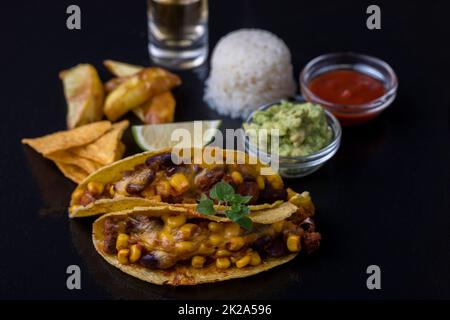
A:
(295, 167)
(371, 66)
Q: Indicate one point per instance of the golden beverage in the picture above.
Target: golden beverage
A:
(178, 32)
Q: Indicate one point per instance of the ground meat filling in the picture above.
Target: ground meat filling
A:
(160, 179)
(164, 242)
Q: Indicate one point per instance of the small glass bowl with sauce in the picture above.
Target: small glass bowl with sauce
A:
(297, 166)
(354, 87)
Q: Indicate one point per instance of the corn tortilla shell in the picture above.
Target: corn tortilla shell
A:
(181, 274)
(68, 139)
(113, 172)
(104, 150)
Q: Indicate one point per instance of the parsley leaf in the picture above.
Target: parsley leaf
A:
(224, 193)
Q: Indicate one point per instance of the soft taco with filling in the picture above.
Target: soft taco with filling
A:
(175, 245)
(153, 178)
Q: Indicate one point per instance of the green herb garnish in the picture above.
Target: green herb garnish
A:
(237, 205)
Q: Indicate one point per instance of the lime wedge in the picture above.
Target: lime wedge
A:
(154, 137)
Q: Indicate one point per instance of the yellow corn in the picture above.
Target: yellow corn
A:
(235, 243)
(166, 237)
(179, 182)
(175, 221)
(215, 226)
(122, 256)
(187, 230)
(293, 243)
(232, 230)
(163, 188)
(237, 177)
(275, 181)
(111, 190)
(122, 241)
(198, 261)
(205, 249)
(223, 253)
(215, 239)
(185, 246)
(255, 258)
(77, 194)
(223, 263)
(95, 187)
(135, 253)
(278, 226)
(243, 261)
(260, 182)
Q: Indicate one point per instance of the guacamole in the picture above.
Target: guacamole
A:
(303, 127)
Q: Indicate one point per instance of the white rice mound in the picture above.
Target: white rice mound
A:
(249, 68)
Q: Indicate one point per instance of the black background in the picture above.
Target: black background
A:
(382, 200)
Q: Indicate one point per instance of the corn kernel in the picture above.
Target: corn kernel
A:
(255, 258)
(122, 256)
(198, 261)
(275, 181)
(243, 261)
(205, 249)
(122, 241)
(135, 253)
(166, 238)
(215, 226)
(278, 226)
(95, 187)
(237, 177)
(235, 243)
(112, 190)
(175, 221)
(223, 253)
(223, 263)
(293, 243)
(187, 230)
(77, 194)
(260, 182)
(185, 246)
(215, 239)
(232, 230)
(163, 188)
(179, 182)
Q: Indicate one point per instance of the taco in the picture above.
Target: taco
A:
(150, 178)
(174, 245)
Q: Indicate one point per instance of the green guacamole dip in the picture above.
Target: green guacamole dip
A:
(303, 127)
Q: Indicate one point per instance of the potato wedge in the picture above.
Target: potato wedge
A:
(113, 83)
(159, 109)
(84, 94)
(138, 89)
(121, 69)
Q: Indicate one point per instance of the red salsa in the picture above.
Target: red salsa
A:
(349, 90)
(346, 87)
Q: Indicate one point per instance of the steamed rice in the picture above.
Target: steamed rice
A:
(249, 68)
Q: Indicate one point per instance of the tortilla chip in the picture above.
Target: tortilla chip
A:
(103, 150)
(67, 139)
(180, 274)
(73, 172)
(120, 150)
(68, 157)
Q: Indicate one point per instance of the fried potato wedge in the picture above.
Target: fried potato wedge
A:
(104, 150)
(138, 89)
(159, 109)
(84, 94)
(113, 83)
(68, 139)
(121, 69)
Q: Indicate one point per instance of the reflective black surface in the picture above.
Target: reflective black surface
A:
(382, 200)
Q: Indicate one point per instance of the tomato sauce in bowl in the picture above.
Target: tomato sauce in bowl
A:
(354, 87)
